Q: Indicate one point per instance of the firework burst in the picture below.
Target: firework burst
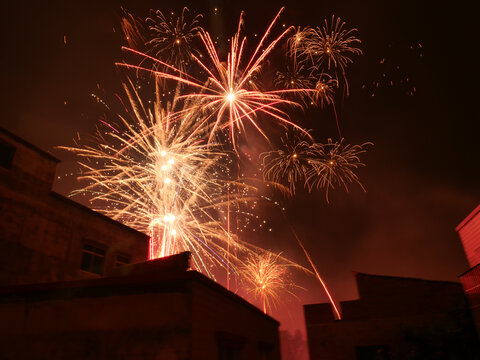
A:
(294, 77)
(163, 169)
(334, 165)
(289, 164)
(154, 172)
(172, 39)
(329, 47)
(266, 278)
(316, 165)
(325, 91)
(230, 94)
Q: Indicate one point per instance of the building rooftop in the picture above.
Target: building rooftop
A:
(169, 274)
(392, 296)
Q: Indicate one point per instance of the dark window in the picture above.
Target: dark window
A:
(93, 259)
(7, 152)
(374, 352)
(229, 346)
(226, 352)
(265, 351)
(122, 260)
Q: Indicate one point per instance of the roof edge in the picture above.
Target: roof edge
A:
(96, 213)
(468, 218)
(406, 278)
(29, 144)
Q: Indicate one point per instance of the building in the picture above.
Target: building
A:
(153, 310)
(45, 236)
(395, 318)
(74, 284)
(469, 232)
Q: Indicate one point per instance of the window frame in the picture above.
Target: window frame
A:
(93, 251)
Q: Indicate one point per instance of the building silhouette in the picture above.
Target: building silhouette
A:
(395, 318)
(152, 310)
(75, 284)
(45, 236)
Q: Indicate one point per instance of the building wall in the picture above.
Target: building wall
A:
(397, 337)
(223, 322)
(42, 233)
(140, 326)
(469, 233)
(395, 318)
(471, 285)
(171, 315)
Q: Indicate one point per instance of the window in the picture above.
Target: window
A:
(7, 152)
(93, 259)
(265, 351)
(228, 352)
(229, 346)
(122, 259)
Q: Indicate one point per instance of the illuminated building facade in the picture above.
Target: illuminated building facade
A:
(45, 236)
(395, 318)
(469, 232)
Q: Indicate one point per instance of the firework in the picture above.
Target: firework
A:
(172, 39)
(325, 90)
(334, 165)
(295, 43)
(155, 173)
(330, 47)
(163, 168)
(335, 308)
(289, 164)
(294, 77)
(132, 30)
(317, 165)
(230, 94)
(266, 278)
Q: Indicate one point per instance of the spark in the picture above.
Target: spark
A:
(132, 29)
(336, 308)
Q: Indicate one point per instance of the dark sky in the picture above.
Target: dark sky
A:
(421, 175)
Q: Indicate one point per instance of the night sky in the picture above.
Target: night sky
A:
(421, 175)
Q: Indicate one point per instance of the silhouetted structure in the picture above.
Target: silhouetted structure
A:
(469, 233)
(74, 283)
(47, 237)
(395, 318)
(151, 310)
